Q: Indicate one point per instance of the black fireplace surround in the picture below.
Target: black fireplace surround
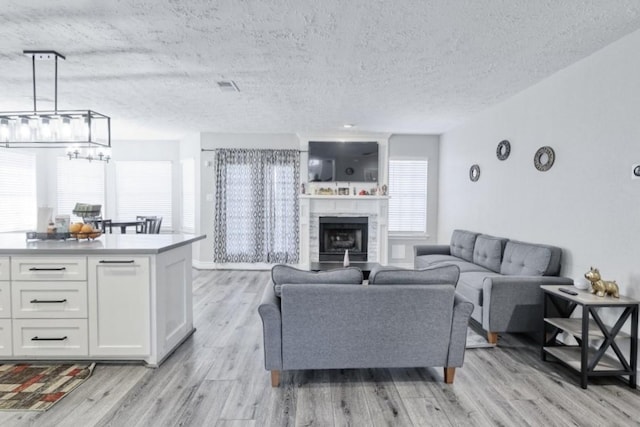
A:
(340, 233)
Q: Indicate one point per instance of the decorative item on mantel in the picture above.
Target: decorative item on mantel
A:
(345, 263)
(85, 133)
(601, 287)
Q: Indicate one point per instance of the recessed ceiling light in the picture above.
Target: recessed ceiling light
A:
(348, 126)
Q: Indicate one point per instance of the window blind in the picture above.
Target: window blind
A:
(188, 196)
(79, 182)
(18, 206)
(144, 188)
(408, 196)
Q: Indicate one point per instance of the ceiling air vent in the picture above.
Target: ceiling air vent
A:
(228, 86)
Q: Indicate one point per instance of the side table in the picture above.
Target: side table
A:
(587, 361)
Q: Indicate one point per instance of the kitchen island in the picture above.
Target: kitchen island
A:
(118, 297)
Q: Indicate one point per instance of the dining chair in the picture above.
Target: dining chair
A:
(153, 224)
(106, 225)
(141, 228)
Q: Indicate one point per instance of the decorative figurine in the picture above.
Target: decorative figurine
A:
(601, 287)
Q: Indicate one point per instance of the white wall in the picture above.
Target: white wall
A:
(587, 203)
(417, 147)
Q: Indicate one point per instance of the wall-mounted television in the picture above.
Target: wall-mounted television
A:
(343, 161)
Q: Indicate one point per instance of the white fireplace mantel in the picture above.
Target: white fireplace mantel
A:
(313, 206)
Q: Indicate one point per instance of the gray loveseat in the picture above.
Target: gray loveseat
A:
(501, 277)
(329, 320)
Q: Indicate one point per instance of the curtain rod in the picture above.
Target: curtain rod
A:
(216, 149)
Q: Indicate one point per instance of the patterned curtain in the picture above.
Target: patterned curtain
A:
(256, 217)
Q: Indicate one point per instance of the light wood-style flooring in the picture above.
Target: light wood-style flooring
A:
(217, 378)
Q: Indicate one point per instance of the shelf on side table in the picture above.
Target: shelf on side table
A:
(571, 357)
(574, 327)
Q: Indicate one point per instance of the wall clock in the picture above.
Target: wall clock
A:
(348, 171)
(503, 150)
(474, 173)
(544, 158)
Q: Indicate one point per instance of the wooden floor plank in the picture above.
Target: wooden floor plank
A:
(217, 378)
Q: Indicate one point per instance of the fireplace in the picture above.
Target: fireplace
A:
(340, 233)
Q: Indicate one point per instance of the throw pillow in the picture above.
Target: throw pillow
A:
(442, 275)
(284, 274)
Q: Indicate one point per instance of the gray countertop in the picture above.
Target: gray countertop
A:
(17, 244)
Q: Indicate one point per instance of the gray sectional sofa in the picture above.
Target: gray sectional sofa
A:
(330, 320)
(501, 277)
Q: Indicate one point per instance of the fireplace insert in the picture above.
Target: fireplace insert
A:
(339, 233)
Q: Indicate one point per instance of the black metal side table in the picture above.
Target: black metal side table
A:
(590, 327)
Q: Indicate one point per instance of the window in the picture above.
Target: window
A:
(188, 196)
(256, 215)
(144, 188)
(18, 204)
(79, 182)
(408, 196)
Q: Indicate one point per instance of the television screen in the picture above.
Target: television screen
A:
(343, 161)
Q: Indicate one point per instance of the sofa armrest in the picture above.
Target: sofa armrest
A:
(431, 250)
(269, 310)
(514, 303)
(462, 309)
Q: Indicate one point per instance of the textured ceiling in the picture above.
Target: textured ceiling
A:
(414, 66)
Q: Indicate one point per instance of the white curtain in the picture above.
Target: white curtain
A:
(256, 217)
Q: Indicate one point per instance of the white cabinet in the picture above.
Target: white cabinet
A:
(5, 264)
(48, 303)
(119, 306)
(42, 299)
(50, 338)
(48, 268)
(5, 338)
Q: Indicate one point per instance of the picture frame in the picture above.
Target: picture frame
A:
(343, 191)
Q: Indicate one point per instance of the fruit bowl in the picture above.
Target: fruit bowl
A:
(87, 235)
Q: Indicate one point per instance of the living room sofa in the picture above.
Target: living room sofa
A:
(330, 320)
(501, 277)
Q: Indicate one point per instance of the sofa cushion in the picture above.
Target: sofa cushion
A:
(488, 250)
(424, 261)
(528, 259)
(464, 266)
(445, 275)
(470, 285)
(462, 243)
(284, 274)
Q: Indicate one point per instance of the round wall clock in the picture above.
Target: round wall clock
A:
(474, 173)
(348, 171)
(503, 150)
(544, 158)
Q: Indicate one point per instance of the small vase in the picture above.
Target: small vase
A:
(346, 258)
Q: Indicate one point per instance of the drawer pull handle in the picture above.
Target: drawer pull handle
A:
(48, 301)
(48, 269)
(48, 339)
(131, 261)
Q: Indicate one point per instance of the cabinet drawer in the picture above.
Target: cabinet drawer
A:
(5, 337)
(48, 268)
(5, 264)
(5, 300)
(50, 337)
(33, 300)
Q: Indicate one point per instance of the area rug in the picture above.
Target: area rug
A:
(37, 387)
(475, 340)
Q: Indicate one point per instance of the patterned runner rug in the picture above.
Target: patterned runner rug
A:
(475, 340)
(37, 387)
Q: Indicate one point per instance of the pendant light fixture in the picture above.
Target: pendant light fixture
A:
(86, 134)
